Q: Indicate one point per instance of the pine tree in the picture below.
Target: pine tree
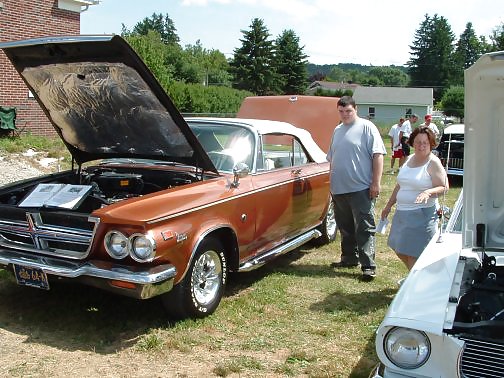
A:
(431, 62)
(290, 62)
(165, 27)
(468, 49)
(252, 64)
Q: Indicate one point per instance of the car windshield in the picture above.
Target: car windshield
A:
(225, 144)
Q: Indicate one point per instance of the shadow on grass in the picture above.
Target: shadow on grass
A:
(358, 303)
(243, 280)
(78, 317)
(75, 317)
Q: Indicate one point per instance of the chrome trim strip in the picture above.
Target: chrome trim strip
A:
(188, 211)
(260, 260)
(98, 269)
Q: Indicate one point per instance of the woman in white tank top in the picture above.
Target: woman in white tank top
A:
(420, 181)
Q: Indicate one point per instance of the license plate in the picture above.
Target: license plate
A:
(33, 277)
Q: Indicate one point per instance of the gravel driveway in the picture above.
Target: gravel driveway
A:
(15, 167)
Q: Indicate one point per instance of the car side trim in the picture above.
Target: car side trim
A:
(260, 260)
(188, 211)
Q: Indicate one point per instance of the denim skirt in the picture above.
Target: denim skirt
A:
(412, 230)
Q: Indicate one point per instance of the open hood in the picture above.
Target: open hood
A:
(103, 101)
(484, 153)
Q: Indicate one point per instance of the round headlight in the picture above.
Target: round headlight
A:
(406, 347)
(143, 247)
(116, 244)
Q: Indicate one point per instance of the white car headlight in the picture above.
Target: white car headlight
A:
(143, 247)
(407, 348)
(116, 244)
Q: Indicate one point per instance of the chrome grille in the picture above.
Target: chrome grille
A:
(482, 359)
(37, 236)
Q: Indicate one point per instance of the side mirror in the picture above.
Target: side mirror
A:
(240, 170)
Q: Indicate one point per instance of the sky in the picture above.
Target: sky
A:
(367, 32)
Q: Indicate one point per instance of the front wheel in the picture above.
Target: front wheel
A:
(199, 293)
(328, 228)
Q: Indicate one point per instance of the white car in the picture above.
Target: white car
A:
(447, 319)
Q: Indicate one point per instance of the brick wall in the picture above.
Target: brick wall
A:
(21, 19)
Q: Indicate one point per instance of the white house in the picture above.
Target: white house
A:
(388, 104)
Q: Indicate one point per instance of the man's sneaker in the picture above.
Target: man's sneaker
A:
(343, 264)
(368, 274)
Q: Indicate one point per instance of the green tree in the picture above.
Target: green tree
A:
(155, 55)
(497, 38)
(431, 61)
(338, 74)
(211, 65)
(468, 49)
(252, 64)
(290, 62)
(164, 26)
(452, 102)
(390, 76)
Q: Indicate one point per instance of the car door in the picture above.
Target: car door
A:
(283, 191)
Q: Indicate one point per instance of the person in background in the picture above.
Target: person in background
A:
(395, 144)
(356, 166)
(431, 125)
(408, 125)
(419, 183)
(406, 129)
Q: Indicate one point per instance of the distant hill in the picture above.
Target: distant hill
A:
(324, 69)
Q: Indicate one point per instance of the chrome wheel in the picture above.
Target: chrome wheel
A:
(200, 291)
(206, 277)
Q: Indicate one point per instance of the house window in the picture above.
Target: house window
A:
(371, 112)
(409, 112)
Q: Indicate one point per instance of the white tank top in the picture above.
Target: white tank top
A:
(412, 182)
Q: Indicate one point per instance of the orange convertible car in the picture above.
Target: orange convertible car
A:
(154, 204)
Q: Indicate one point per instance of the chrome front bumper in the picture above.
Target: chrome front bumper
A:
(148, 282)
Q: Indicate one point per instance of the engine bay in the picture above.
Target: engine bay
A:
(480, 310)
(109, 184)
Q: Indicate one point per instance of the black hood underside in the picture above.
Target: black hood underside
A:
(103, 101)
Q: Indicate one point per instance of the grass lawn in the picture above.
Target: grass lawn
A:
(293, 317)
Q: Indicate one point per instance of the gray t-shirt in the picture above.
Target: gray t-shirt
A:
(351, 156)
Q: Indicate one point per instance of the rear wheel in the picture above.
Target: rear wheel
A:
(328, 228)
(199, 293)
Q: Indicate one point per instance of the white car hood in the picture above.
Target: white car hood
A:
(422, 300)
(484, 153)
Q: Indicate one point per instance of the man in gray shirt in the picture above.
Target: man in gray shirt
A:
(356, 159)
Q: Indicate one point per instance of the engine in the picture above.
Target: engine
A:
(109, 184)
(480, 311)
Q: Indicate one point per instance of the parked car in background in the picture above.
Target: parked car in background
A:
(451, 149)
(154, 205)
(447, 318)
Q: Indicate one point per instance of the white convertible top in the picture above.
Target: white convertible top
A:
(271, 127)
